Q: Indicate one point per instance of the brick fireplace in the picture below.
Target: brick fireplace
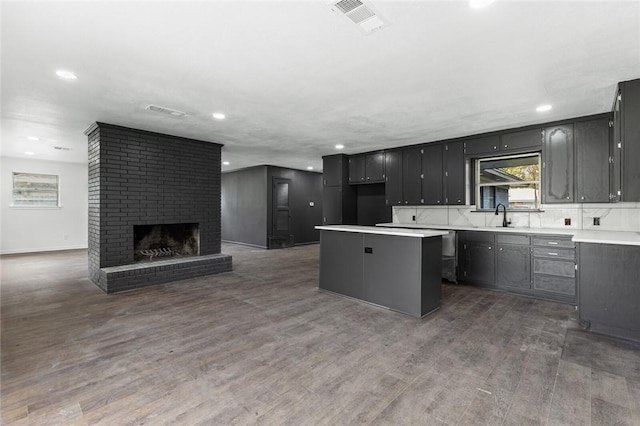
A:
(165, 186)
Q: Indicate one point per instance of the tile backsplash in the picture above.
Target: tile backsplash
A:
(612, 217)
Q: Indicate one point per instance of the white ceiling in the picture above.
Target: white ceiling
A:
(295, 78)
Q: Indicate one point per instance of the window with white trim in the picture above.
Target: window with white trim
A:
(35, 190)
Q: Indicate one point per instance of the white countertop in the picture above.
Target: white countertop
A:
(395, 231)
(579, 236)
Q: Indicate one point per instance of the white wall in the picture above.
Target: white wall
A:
(24, 230)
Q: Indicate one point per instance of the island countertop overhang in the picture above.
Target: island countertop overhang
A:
(398, 232)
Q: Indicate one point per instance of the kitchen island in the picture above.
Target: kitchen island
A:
(399, 269)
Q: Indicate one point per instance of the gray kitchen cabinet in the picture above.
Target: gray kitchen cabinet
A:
(339, 200)
(513, 261)
(626, 143)
(432, 175)
(478, 257)
(482, 145)
(454, 176)
(557, 164)
(343, 251)
(609, 296)
(393, 180)
(367, 168)
(554, 267)
(529, 140)
(591, 139)
(412, 176)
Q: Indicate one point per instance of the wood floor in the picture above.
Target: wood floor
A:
(261, 345)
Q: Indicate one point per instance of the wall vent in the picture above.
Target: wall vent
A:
(364, 16)
(164, 110)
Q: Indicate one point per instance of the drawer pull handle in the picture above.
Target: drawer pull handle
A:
(553, 243)
(552, 253)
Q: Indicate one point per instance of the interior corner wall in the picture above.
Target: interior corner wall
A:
(305, 187)
(28, 229)
(244, 206)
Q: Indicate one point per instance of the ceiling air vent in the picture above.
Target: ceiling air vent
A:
(367, 19)
(163, 110)
(61, 148)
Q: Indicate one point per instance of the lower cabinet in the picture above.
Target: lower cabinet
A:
(609, 298)
(540, 266)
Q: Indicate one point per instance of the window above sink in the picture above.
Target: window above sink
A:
(511, 180)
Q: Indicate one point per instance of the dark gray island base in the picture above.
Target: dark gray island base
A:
(396, 269)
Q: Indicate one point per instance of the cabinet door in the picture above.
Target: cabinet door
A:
(454, 173)
(393, 179)
(411, 176)
(374, 167)
(520, 140)
(357, 169)
(485, 145)
(513, 266)
(630, 109)
(332, 205)
(432, 175)
(341, 260)
(591, 140)
(332, 170)
(557, 183)
(616, 151)
(480, 258)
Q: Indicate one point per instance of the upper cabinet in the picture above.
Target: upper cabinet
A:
(454, 176)
(393, 184)
(333, 169)
(529, 140)
(557, 164)
(367, 168)
(483, 145)
(432, 175)
(591, 139)
(627, 139)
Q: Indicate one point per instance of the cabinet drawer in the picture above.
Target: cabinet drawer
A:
(523, 240)
(555, 284)
(554, 253)
(558, 268)
(480, 236)
(553, 242)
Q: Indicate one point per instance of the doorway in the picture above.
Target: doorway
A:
(281, 235)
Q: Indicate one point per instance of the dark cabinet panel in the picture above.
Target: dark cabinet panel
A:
(357, 169)
(615, 150)
(332, 205)
(630, 139)
(393, 184)
(557, 177)
(454, 173)
(480, 259)
(412, 176)
(432, 175)
(332, 170)
(513, 266)
(520, 140)
(374, 167)
(343, 251)
(609, 294)
(482, 145)
(591, 140)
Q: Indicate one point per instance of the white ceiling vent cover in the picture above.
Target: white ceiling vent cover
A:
(164, 110)
(367, 19)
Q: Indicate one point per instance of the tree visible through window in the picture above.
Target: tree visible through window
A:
(35, 190)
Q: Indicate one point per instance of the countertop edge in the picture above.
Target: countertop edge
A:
(393, 231)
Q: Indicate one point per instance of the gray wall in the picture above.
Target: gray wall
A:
(244, 206)
(247, 215)
(138, 177)
(372, 206)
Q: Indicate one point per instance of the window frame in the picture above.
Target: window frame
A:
(478, 185)
(35, 203)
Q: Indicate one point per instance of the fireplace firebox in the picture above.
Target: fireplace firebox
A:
(161, 241)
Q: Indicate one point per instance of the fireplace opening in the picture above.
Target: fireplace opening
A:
(162, 241)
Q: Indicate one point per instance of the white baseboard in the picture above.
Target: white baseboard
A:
(38, 250)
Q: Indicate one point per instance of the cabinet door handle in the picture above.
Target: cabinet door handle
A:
(552, 253)
(489, 247)
(500, 248)
(553, 243)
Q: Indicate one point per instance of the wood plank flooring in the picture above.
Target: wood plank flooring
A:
(261, 345)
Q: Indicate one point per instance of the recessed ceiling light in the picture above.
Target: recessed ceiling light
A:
(479, 4)
(33, 138)
(339, 146)
(543, 108)
(29, 153)
(225, 163)
(219, 116)
(309, 167)
(66, 75)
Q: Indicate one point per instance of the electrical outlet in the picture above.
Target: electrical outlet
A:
(567, 221)
(413, 218)
(596, 221)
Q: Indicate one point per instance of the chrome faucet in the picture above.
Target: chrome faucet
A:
(504, 217)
